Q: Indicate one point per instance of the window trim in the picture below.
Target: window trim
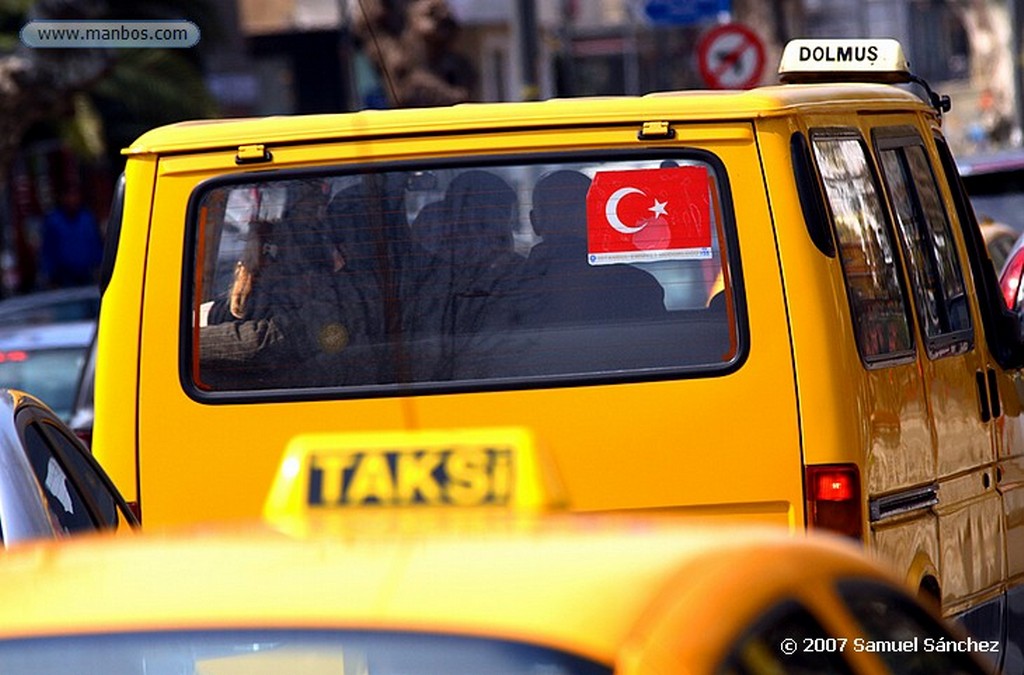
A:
(729, 231)
(23, 501)
(113, 234)
(812, 197)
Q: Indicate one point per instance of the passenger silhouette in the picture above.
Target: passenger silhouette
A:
(295, 317)
(566, 288)
(466, 278)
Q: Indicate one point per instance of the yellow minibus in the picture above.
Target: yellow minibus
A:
(771, 305)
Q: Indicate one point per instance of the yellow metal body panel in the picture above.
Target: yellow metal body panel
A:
(574, 423)
(906, 426)
(120, 337)
(970, 530)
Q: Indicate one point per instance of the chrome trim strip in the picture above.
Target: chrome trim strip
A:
(880, 508)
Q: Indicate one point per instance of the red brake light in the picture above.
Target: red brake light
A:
(15, 356)
(834, 499)
(834, 486)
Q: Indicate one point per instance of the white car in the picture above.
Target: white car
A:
(46, 360)
(50, 485)
(81, 303)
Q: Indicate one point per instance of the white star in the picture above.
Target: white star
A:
(659, 208)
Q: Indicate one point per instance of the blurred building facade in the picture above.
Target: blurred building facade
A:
(298, 56)
(295, 56)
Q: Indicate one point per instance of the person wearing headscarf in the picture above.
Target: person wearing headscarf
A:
(466, 285)
(565, 286)
(294, 317)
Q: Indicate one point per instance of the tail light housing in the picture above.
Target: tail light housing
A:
(834, 500)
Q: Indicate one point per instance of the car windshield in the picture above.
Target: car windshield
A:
(49, 374)
(309, 652)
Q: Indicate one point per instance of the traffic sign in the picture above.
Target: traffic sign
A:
(731, 56)
(684, 12)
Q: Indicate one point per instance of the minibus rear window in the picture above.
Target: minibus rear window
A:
(432, 277)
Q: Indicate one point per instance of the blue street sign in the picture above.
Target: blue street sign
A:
(684, 12)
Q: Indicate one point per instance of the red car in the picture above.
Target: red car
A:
(1010, 276)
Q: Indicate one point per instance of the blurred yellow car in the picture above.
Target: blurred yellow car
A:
(477, 591)
(445, 552)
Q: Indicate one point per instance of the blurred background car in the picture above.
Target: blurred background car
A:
(81, 303)
(45, 339)
(50, 485)
(46, 360)
(81, 416)
(995, 185)
(480, 593)
(999, 240)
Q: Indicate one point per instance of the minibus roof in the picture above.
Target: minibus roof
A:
(676, 107)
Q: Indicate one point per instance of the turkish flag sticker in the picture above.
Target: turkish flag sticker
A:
(649, 214)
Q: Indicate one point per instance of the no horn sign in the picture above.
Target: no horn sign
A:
(731, 56)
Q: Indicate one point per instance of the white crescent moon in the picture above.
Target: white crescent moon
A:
(611, 210)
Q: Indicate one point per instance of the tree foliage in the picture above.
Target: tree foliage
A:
(62, 85)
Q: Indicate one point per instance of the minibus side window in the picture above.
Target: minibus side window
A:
(409, 278)
(869, 256)
(935, 273)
